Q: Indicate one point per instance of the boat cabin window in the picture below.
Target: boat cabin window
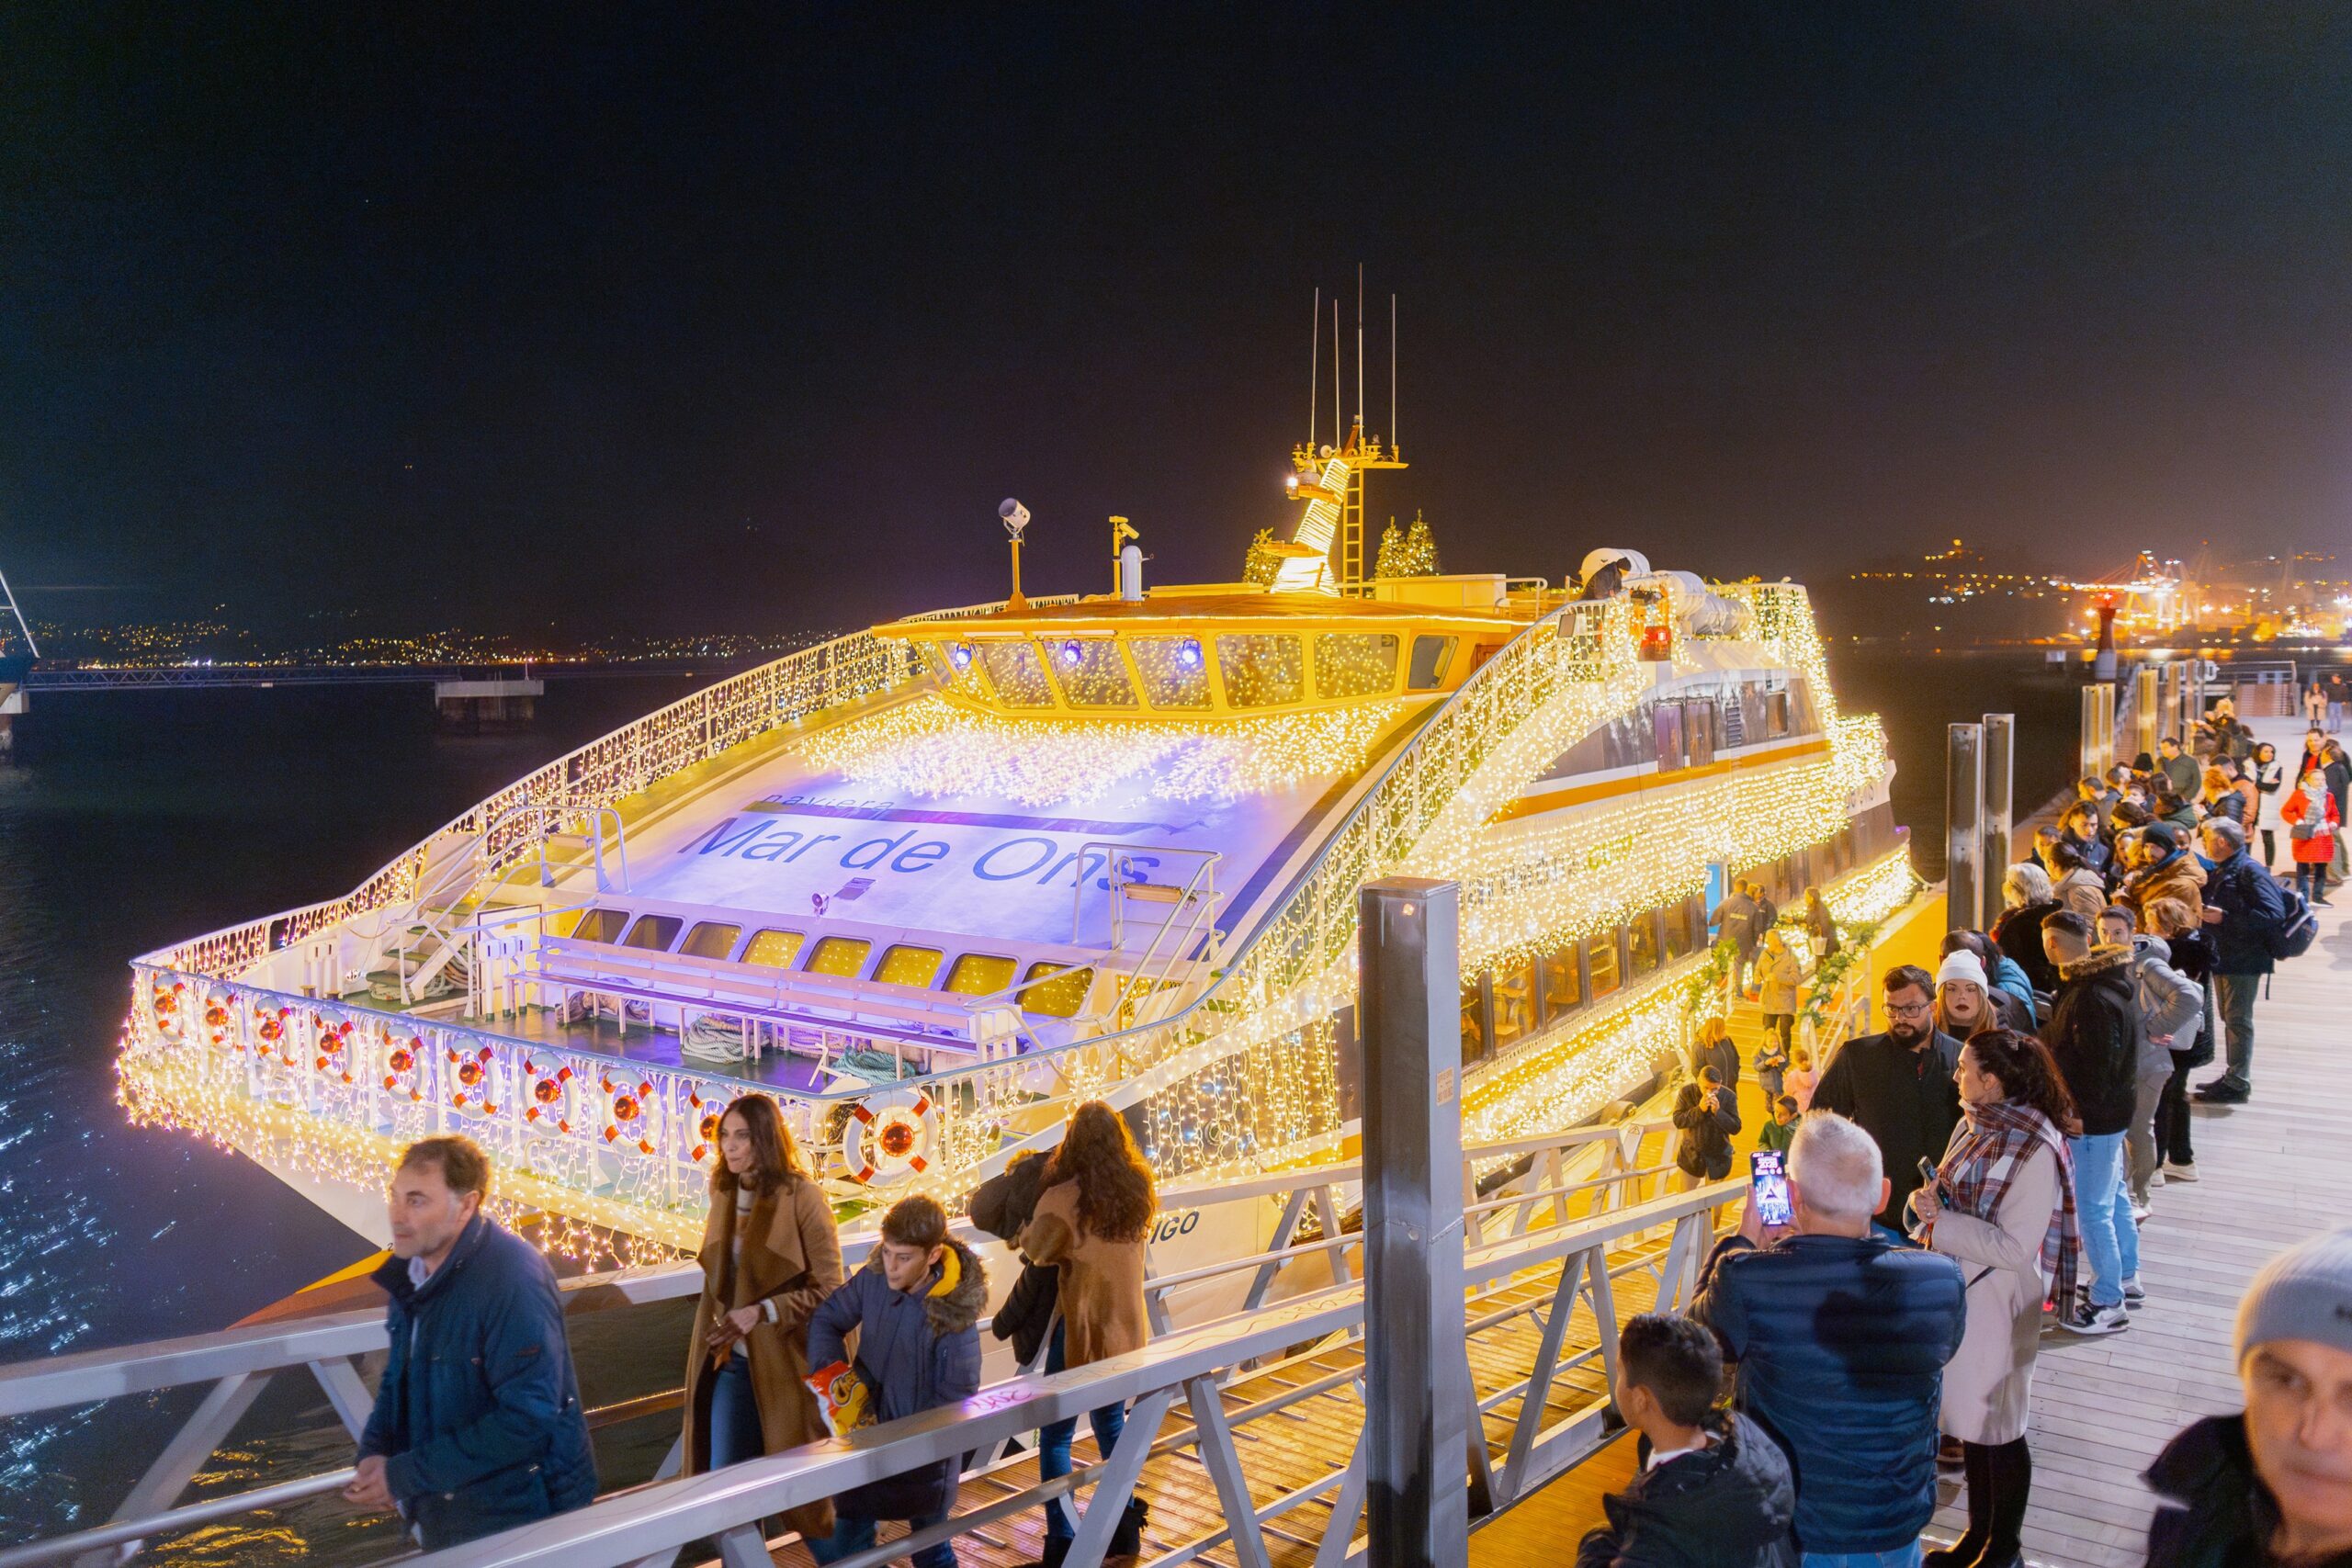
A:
(904, 965)
(1641, 945)
(600, 925)
(1091, 672)
(1474, 1019)
(1563, 986)
(1601, 963)
(773, 949)
(1018, 679)
(1262, 670)
(1666, 728)
(1515, 1004)
(1699, 732)
(1059, 997)
(1776, 713)
(1683, 937)
(654, 933)
(1431, 656)
(1355, 664)
(979, 975)
(951, 662)
(842, 956)
(1175, 672)
(711, 939)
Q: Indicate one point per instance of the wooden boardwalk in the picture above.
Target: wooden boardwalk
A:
(2271, 1173)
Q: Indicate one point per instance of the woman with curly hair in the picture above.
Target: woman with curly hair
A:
(2003, 1204)
(1093, 1220)
(770, 1256)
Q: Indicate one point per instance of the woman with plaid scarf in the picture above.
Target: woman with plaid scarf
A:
(2003, 1205)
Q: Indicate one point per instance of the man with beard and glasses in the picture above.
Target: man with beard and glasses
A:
(1898, 1088)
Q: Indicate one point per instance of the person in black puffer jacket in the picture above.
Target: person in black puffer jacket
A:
(1000, 1206)
(2094, 1036)
(1712, 1490)
(1709, 1118)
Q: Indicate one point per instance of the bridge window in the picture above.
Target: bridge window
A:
(1431, 656)
(904, 965)
(600, 925)
(1175, 672)
(1355, 664)
(654, 933)
(1601, 963)
(1018, 679)
(1091, 672)
(711, 939)
(775, 949)
(840, 957)
(1059, 997)
(951, 662)
(980, 975)
(1261, 669)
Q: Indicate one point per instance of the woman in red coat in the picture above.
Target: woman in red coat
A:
(2312, 824)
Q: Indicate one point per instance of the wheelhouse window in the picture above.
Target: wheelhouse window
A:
(1355, 664)
(1261, 669)
(1019, 678)
(1091, 672)
(1175, 671)
(1431, 656)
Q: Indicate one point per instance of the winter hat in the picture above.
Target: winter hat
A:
(2305, 1293)
(2156, 833)
(1962, 965)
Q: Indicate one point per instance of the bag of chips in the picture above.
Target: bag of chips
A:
(844, 1398)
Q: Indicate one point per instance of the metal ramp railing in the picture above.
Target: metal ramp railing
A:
(1595, 1169)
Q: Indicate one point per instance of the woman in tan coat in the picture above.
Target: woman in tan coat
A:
(770, 1256)
(1092, 1222)
(2003, 1205)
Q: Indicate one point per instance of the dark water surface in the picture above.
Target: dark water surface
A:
(131, 821)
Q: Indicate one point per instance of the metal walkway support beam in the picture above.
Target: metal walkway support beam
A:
(1964, 825)
(2000, 809)
(1418, 1391)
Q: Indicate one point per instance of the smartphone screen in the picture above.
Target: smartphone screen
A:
(1770, 1184)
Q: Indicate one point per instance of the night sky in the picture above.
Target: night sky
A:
(659, 324)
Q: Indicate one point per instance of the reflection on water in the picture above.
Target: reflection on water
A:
(129, 820)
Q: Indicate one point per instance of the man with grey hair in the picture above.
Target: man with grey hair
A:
(1841, 1335)
(2243, 914)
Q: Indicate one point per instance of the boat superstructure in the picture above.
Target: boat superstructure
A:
(932, 884)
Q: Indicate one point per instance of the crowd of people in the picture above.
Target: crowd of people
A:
(478, 1424)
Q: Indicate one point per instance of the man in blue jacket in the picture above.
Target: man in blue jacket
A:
(477, 1425)
(1841, 1338)
(2242, 912)
(916, 1307)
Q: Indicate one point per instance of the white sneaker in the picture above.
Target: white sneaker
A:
(2134, 1293)
(2088, 1319)
(2155, 1178)
(2140, 1213)
(2178, 1172)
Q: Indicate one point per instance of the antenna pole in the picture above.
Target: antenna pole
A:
(1313, 369)
(10, 594)
(1392, 373)
(1359, 345)
(1339, 435)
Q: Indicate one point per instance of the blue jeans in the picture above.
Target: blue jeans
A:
(1901, 1557)
(855, 1535)
(1053, 1448)
(2110, 1241)
(734, 1415)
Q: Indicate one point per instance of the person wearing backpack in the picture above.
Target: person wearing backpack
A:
(2094, 1037)
(2245, 914)
(2312, 822)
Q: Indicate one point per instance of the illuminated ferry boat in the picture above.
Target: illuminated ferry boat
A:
(933, 884)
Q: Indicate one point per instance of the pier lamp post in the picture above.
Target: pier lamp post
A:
(1964, 825)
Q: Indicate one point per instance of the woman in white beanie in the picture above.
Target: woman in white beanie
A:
(2273, 1485)
(2002, 1205)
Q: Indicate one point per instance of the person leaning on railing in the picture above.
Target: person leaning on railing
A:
(478, 1424)
(770, 1257)
(1094, 1222)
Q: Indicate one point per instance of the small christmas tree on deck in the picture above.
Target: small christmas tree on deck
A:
(1263, 561)
(1412, 553)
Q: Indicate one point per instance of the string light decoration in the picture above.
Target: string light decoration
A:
(1263, 562)
(1243, 1078)
(1407, 553)
(931, 747)
(1355, 664)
